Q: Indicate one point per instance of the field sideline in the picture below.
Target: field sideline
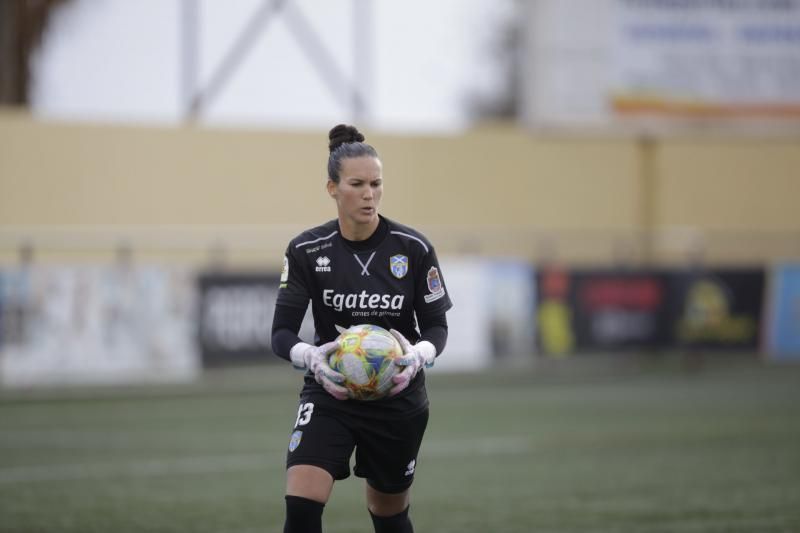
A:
(654, 449)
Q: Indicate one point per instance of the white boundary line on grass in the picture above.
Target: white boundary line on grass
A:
(209, 464)
(138, 468)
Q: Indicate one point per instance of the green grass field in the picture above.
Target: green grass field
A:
(653, 449)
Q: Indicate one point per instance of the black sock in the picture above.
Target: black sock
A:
(399, 523)
(303, 515)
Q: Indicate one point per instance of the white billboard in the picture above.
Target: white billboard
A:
(96, 325)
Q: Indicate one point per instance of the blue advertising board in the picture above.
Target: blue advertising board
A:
(784, 326)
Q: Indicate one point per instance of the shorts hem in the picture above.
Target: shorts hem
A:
(389, 489)
(336, 471)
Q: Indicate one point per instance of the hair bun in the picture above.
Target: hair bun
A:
(343, 134)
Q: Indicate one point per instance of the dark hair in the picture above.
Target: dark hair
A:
(345, 142)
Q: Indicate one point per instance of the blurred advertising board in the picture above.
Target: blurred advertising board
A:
(555, 333)
(235, 316)
(784, 325)
(469, 348)
(234, 320)
(617, 310)
(493, 308)
(586, 310)
(706, 58)
(512, 305)
(65, 325)
(717, 309)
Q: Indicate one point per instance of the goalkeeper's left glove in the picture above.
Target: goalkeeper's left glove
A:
(415, 356)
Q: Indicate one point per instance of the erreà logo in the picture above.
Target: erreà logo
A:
(323, 264)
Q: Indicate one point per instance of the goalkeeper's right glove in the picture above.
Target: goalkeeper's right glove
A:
(315, 358)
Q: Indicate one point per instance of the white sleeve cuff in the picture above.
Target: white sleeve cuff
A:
(427, 350)
(297, 355)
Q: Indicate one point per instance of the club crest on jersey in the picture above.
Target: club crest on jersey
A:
(398, 264)
(323, 264)
(294, 442)
(435, 286)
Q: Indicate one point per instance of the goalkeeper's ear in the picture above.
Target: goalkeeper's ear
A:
(331, 187)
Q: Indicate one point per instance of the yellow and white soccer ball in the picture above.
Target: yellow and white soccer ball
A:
(366, 357)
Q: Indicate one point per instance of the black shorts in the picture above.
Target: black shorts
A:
(386, 450)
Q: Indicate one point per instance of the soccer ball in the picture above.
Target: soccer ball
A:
(366, 357)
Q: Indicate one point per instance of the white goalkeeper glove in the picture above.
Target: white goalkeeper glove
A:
(415, 356)
(315, 358)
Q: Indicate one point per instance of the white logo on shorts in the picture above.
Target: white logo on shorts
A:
(410, 468)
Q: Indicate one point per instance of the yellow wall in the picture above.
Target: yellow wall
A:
(745, 185)
(492, 190)
(67, 174)
(738, 198)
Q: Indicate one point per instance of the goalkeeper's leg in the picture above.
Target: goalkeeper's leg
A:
(307, 490)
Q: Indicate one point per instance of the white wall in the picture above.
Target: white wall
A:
(121, 60)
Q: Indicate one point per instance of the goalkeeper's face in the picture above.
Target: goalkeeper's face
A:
(358, 193)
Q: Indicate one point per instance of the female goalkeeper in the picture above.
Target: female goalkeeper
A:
(358, 268)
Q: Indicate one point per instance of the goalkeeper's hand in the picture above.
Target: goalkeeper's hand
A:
(415, 356)
(315, 358)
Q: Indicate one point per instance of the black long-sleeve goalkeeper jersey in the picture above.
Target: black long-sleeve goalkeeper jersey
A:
(392, 280)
